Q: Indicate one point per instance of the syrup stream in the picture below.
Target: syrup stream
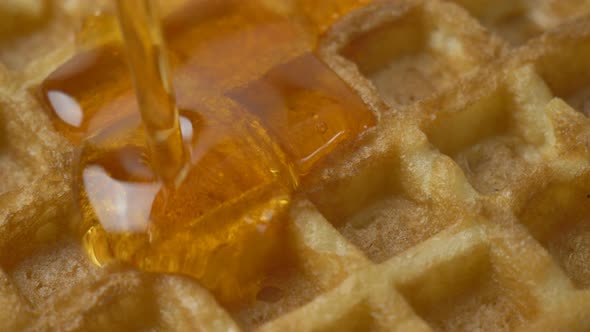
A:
(146, 52)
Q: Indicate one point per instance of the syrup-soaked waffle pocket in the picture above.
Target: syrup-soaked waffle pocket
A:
(466, 208)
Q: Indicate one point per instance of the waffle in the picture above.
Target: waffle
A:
(466, 208)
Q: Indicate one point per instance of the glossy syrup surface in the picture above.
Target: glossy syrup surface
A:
(257, 111)
(318, 16)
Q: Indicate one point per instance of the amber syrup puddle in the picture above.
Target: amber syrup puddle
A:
(255, 111)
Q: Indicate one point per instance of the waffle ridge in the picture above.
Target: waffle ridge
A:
(466, 208)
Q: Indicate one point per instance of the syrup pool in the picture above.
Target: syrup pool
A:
(257, 111)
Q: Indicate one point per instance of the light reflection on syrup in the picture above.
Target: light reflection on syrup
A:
(70, 92)
(129, 202)
(66, 108)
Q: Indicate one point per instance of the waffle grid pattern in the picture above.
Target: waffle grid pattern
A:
(467, 208)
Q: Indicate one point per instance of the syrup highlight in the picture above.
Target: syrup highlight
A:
(257, 111)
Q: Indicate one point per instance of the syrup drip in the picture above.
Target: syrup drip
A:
(146, 51)
(257, 112)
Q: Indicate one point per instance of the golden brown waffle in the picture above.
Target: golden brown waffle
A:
(467, 208)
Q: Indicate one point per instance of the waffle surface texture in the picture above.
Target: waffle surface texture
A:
(466, 208)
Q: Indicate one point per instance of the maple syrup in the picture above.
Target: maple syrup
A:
(147, 54)
(255, 111)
